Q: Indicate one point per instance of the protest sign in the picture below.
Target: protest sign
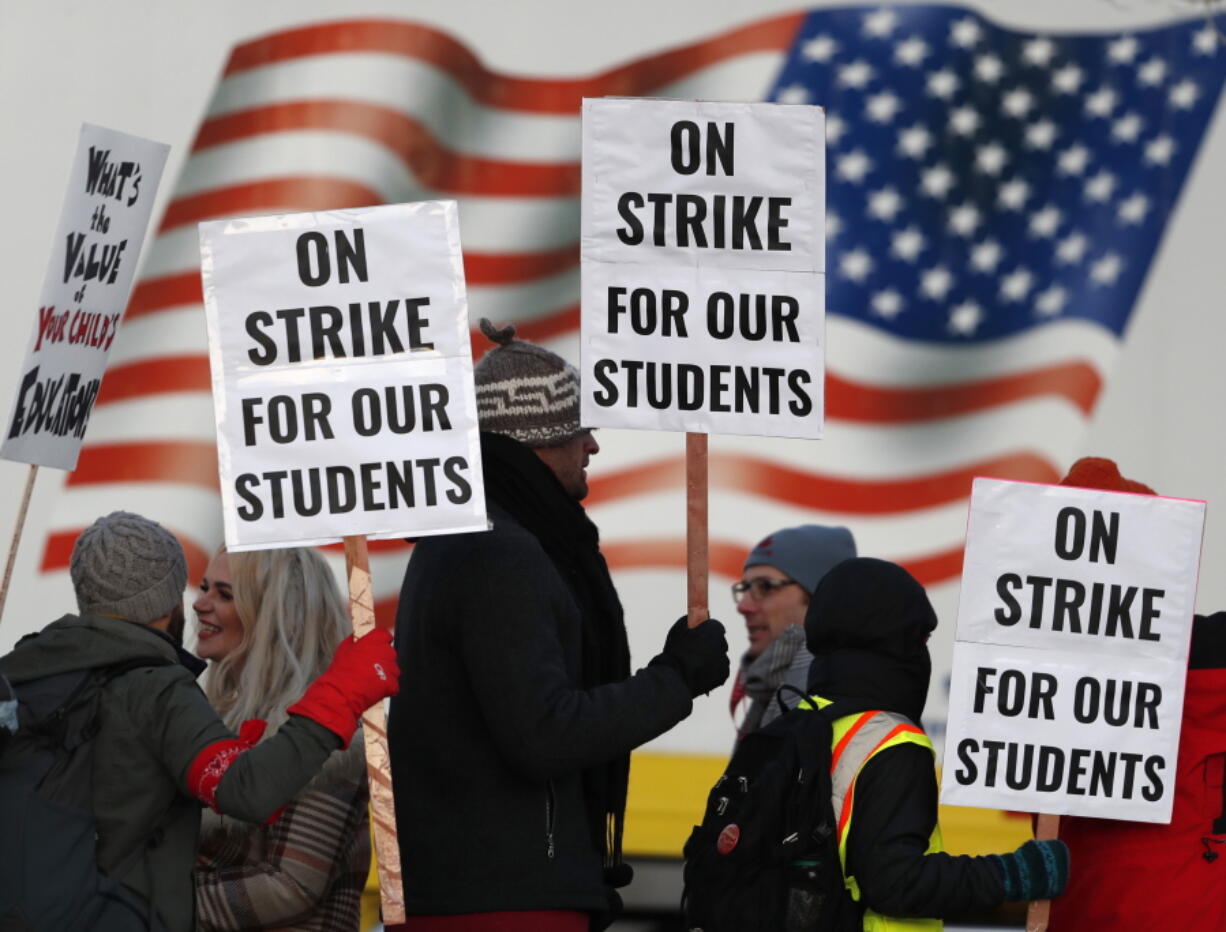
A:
(703, 266)
(1071, 652)
(111, 189)
(342, 375)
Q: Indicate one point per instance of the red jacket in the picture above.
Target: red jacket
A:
(1136, 875)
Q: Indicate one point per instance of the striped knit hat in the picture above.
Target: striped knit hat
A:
(526, 392)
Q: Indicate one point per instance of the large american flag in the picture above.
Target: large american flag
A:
(995, 200)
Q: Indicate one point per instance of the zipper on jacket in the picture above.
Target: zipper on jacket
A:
(550, 813)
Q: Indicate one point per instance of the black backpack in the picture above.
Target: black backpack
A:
(765, 858)
(49, 877)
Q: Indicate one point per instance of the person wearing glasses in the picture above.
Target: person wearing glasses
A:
(777, 581)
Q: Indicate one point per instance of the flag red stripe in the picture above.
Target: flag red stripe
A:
(178, 461)
(153, 377)
(274, 195)
(738, 472)
(157, 294)
(533, 95)
(433, 165)
(57, 551)
(727, 558)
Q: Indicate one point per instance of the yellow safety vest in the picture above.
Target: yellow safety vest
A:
(857, 739)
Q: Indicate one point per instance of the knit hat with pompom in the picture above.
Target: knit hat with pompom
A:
(1096, 472)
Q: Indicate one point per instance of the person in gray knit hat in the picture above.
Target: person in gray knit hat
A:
(779, 577)
(152, 748)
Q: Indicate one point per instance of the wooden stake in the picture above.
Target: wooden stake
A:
(696, 544)
(1039, 911)
(21, 523)
(374, 729)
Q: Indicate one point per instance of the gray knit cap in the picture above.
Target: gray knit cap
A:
(127, 566)
(525, 391)
(805, 553)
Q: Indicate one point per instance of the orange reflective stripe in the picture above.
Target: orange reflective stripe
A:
(846, 739)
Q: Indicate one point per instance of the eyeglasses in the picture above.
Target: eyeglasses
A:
(759, 588)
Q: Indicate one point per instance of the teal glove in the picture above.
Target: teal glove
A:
(1038, 870)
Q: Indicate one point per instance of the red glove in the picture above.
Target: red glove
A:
(362, 673)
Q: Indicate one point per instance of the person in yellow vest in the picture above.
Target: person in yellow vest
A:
(867, 626)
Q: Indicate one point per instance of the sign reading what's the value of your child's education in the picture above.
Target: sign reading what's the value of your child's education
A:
(342, 375)
(703, 266)
(111, 190)
(1071, 653)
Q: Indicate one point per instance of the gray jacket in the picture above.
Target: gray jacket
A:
(154, 721)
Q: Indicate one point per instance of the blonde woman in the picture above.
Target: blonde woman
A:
(268, 623)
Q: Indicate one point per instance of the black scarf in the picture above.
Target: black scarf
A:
(519, 482)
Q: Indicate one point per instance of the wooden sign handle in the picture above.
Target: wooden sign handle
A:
(696, 544)
(1039, 911)
(374, 730)
(22, 510)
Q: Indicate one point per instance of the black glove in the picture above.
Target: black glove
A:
(699, 654)
(1038, 870)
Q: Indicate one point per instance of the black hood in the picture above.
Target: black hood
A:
(867, 626)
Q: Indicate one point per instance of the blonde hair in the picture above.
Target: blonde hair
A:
(292, 617)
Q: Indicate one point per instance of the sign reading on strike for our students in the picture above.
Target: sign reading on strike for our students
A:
(703, 265)
(1071, 653)
(342, 375)
(111, 190)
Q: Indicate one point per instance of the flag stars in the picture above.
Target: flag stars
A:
(1039, 52)
(1123, 51)
(1041, 135)
(1072, 249)
(1184, 94)
(1067, 80)
(914, 141)
(887, 304)
(1106, 271)
(943, 84)
(964, 220)
(1152, 73)
(936, 282)
(1051, 302)
(1100, 188)
(820, 49)
(908, 244)
(835, 128)
(1017, 103)
(885, 204)
(1013, 194)
(1101, 102)
(880, 23)
(965, 33)
(834, 225)
(1016, 285)
(964, 120)
(1127, 128)
(1073, 161)
(1204, 42)
(989, 68)
(986, 256)
(991, 159)
(1158, 151)
(937, 181)
(793, 94)
(1133, 209)
(1045, 223)
(856, 265)
(854, 166)
(965, 318)
(856, 75)
(883, 107)
(911, 52)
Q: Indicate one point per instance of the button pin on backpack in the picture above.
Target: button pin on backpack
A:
(728, 838)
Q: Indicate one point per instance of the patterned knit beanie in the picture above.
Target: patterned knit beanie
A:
(127, 566)
(526, 392)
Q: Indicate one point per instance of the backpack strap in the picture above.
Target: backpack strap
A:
(805, 698)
